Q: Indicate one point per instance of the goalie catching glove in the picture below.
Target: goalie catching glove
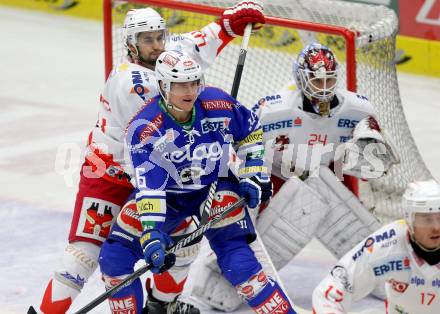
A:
(234, 19)
(369, 154)
(154, 243)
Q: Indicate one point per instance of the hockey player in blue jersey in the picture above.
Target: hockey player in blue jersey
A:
(179, 143)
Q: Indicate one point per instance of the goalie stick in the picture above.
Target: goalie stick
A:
(127, 281)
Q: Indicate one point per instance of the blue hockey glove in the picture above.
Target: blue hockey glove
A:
(154, 243)
(256, 189)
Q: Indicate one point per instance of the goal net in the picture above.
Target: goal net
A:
(362, 37)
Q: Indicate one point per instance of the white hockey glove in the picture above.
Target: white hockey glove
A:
(234, 19)
(368, 155)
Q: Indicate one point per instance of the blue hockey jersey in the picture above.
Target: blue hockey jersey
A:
(169, 157)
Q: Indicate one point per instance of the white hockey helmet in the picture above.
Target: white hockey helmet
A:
(141, 20)
(316, 62)
(176, 67)
(420, 197)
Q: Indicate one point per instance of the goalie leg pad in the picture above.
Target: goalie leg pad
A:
(80, 259)
(348, 221)
(213, 289)
(290, 221)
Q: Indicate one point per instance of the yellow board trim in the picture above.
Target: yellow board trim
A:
(89, 9)
(422, 56)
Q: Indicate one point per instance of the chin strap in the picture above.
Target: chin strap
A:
(137, 59)
(422, 247)
(171, 106)
(167, 104)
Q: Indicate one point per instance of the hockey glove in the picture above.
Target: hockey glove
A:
(370, 153)
(234, 19)
(154, 243)
(256, 189)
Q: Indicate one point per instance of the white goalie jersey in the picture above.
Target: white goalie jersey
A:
(384, 258)
(128, 88)
(297, 140)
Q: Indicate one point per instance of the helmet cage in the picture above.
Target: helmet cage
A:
(314, 70)
(323, 91)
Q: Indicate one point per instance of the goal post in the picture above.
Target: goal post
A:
(362, 37)
(346, 33)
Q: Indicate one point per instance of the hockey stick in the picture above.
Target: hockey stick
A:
(234, 92)
(241, 60)
(204, 215)
(129, 280)
(208, 203)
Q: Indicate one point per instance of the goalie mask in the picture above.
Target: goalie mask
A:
(422, 197)
(175, 67)
(315, 72)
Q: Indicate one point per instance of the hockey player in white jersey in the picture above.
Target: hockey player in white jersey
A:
(306, 131)
(403, 255)
(104, 180)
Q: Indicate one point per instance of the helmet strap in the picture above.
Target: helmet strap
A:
(168, 105)
(431, 256)
(171, 106)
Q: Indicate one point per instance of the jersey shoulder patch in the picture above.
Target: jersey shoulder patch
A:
(355, 102)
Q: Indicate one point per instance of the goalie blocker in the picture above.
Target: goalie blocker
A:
(320, 207)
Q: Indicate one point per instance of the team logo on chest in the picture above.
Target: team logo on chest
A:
(212, 152)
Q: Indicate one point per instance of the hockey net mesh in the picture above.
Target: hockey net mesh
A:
(269, 67)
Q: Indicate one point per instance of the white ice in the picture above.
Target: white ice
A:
(51, 75)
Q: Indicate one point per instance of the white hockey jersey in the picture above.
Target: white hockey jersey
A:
(297, 140)
(384, 258)
(127, 89)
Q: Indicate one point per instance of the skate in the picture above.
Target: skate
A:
(32, 311)
(154, 306)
